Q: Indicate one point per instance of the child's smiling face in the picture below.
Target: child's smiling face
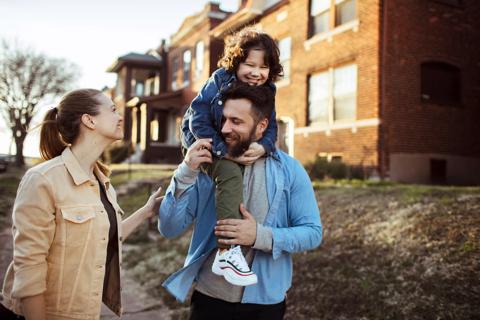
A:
(253, 70)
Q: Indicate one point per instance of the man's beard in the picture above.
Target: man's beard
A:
(237, 148)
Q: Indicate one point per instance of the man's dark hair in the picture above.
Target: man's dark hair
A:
(262, 98)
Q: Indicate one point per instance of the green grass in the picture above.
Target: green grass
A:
(120, 177)
(9, 184)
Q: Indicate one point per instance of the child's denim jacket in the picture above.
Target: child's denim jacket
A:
(203, 119)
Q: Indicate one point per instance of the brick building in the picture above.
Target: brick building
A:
(391, 85)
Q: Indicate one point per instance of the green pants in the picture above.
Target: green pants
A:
(228, 178)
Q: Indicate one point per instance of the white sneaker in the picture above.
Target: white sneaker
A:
(235, 268)
(219, 263)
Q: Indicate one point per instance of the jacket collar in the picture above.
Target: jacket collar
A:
(79, 176)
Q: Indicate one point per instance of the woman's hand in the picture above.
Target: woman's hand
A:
(153, 204)
(254, 152)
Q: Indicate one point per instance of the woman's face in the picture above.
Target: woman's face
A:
(108, 123)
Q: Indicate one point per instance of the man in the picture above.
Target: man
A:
(281, 217)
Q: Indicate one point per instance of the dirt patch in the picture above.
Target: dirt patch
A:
(386, 256)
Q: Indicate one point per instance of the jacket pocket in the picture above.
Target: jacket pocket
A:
(78, 224)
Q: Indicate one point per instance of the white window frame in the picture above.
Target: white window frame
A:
(331, 97)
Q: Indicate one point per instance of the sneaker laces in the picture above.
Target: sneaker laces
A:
(237, 259)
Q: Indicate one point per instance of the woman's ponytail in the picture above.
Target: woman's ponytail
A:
(51, 142)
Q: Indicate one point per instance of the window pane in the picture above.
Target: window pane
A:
(319, 6)
(345, 12)
(318, 98)
(345, 92)
(321, 22)
(286, 69)
(199, 57)
(285, 48)
(187, 58)
(268, 3)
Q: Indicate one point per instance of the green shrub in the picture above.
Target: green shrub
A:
(321, 169)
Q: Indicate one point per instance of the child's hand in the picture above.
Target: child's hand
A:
(254, 152)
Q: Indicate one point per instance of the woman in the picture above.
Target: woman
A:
(67, 225)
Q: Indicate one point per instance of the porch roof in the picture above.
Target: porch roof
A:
(177, 100)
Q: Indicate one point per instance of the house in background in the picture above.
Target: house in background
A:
(153, 110)
(389, 85)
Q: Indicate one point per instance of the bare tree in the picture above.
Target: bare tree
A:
(28, 78)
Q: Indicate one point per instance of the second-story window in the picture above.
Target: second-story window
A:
(326, 15)
(345, 11)
(187, 61)
(174, 73)
(320, 16)
(199, 57)
(440, 83)
(332, 95)
(285, 46)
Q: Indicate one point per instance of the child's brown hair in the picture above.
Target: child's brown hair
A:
(239, 44)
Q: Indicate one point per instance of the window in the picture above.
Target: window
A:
(440, 83)
(344, 92)
(333, 95)
(321, 12)
(139, 88)
(187, 61)
(320, 16)
(344, 11)
(174, 72)
(199, 58)
(285, 46)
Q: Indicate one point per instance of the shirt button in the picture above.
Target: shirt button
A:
(78, 218)
(99, 267)
(219, 153)
(120, 239)
(92, 184)
(230, 84)
(220, 102)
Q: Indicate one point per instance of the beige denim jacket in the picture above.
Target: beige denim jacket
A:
(60, 231)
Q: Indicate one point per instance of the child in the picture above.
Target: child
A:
(252, 57)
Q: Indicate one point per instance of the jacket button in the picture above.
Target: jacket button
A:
(92, 184)
(120, 239)
(220, 102)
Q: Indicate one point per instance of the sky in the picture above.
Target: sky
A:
(91, 34)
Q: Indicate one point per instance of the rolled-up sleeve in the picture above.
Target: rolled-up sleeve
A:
(33, 232)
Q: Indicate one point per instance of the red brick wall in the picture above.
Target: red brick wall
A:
(418, 31)
(362, 48)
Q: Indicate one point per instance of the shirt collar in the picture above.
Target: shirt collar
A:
(79, 176)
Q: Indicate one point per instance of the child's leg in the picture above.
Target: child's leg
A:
(228, 178)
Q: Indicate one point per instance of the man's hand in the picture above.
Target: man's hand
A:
(198, 153)
(254, 152)
(240, 231)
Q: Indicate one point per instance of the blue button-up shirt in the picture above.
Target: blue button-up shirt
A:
(293, 217)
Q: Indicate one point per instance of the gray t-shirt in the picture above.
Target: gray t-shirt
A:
(256, 202)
